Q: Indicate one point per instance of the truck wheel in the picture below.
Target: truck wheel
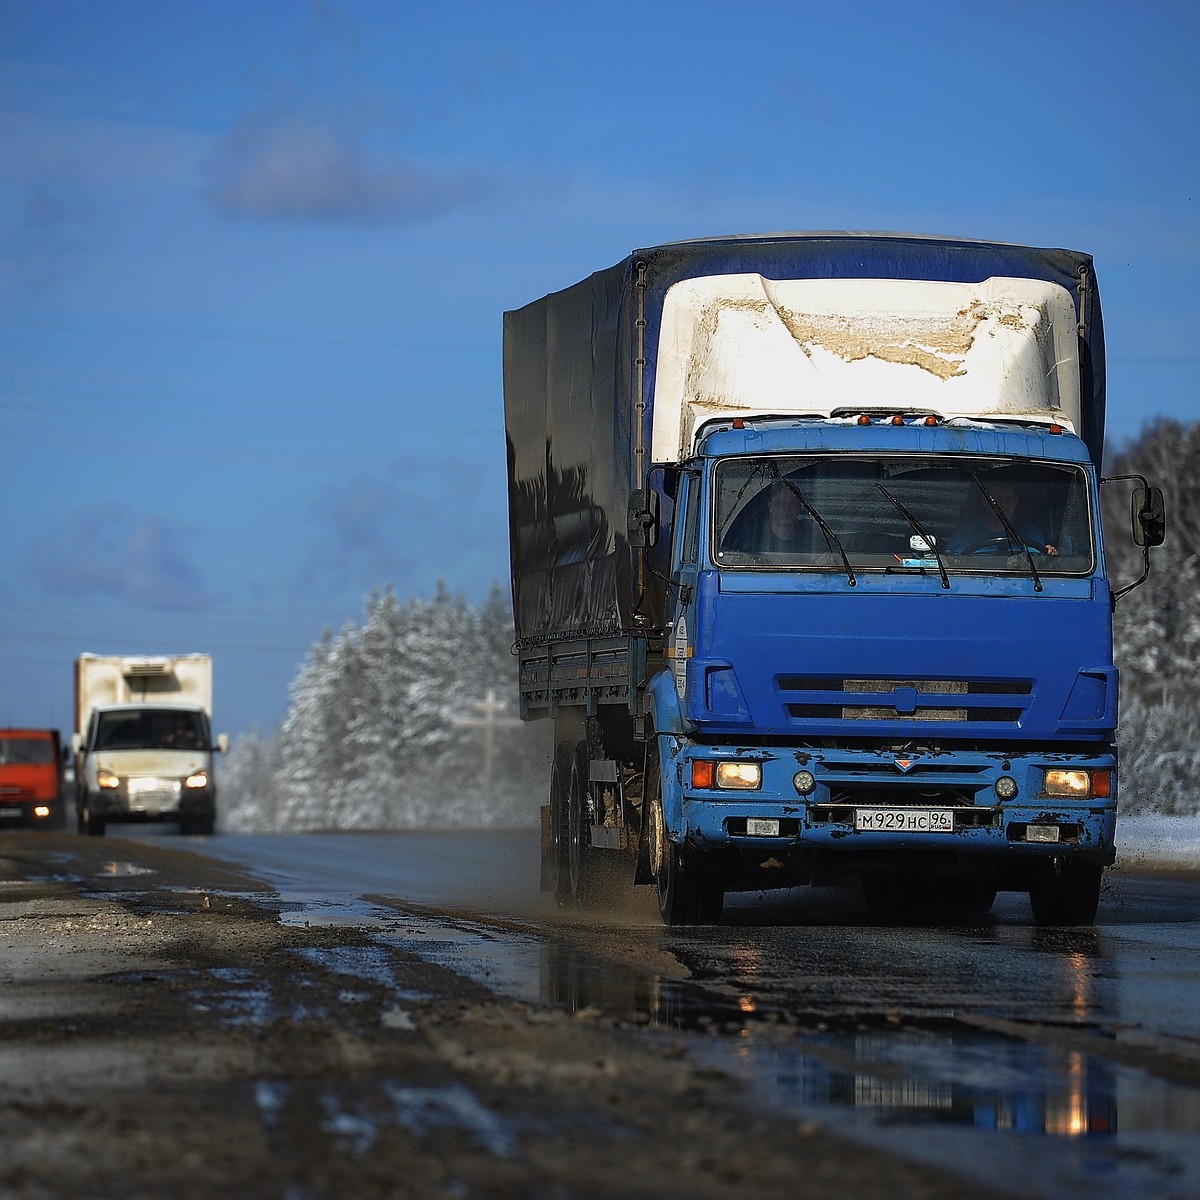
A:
(1066, 892)
(581, 870)
(690, 891)
(555, 877)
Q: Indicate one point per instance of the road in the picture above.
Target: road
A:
(987, 1053)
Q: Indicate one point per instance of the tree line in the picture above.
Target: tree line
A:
(408, 719)
(403, 721)
(1156, 627)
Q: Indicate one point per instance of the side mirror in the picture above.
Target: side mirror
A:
(222, 743)
(77, 743)
(643, 517)
(1149, 515)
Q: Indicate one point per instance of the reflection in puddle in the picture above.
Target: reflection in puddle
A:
(1059, 1121)
(914, 1077)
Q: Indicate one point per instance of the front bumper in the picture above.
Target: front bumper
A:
(169, 801)
(959, 787)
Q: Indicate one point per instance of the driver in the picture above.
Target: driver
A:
(985, 533)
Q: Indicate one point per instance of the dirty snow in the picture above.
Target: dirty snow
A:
(1154, 841)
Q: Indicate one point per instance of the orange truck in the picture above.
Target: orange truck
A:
(31, 777)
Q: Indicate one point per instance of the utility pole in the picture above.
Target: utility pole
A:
(490, 721)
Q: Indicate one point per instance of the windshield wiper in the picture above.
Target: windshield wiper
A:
(1013, 536)
(930, 542)
(831, 539)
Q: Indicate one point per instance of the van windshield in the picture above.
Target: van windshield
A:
(151, 729)
(902, 514)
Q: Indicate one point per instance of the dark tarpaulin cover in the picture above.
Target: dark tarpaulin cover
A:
(570, 378)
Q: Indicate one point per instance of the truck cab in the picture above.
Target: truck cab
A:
(835, 701)
(31, 778)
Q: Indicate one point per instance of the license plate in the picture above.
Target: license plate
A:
(144, 783)
(904, 820)
(761, 827)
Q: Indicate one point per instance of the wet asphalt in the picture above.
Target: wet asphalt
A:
(1053, 1061)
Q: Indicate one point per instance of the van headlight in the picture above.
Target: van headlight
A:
(106, 779)
(197, 779)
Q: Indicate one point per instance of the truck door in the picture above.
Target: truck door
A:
(685, 560)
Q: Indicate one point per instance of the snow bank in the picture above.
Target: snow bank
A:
(1156, 842)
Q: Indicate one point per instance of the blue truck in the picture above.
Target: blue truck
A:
(808, 572)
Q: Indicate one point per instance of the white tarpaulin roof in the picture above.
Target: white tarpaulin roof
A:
(742, 345)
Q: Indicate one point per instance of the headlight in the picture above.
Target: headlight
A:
(198, 779)
(727, 774)
(1079, 784)
(106, 779)
(746, 776)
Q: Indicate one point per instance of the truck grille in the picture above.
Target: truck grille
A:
(991, 701)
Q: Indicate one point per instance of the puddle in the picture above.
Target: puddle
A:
(1045, 1121)
(508, 963)
(357, 1118)
(1056, 1121)
(370, 963)
(122, 870)
(242, 998)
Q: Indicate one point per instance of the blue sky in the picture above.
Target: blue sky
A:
(254, 257)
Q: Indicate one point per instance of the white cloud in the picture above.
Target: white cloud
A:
(293, 165)
(115, 553)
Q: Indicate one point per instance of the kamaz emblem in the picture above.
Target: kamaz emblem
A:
(903, 764)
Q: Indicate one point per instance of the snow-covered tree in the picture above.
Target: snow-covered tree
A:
(1156, 628)
(405, 721)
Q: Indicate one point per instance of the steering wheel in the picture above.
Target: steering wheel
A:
(1001, 545)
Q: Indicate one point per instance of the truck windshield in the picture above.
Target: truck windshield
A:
(25, 750)
(150, 729)
(903, 514)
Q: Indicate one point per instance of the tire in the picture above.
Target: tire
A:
(1066, 892)
(554, 867)
(201, 826)
(581, 869)
(690, 889)
(89, 823)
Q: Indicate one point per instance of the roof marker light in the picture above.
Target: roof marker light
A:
(863, 419)
(738, 423)
(931, 420)
(1056, 429)
(897, 419)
